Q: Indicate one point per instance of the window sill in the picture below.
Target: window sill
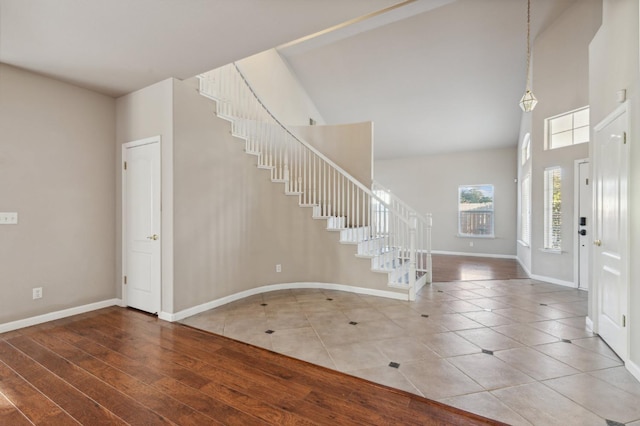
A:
(486, 237)
(551, 251)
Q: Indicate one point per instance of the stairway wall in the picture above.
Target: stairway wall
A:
(232, 225)
(350, 146)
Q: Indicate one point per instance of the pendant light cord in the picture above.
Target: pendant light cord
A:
(528, 42)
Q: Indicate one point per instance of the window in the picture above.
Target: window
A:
(567, 129)
(552, 209)
(525, 152)
(525, 210)
(475, 210)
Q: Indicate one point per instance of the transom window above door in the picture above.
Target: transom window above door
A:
(569, 128)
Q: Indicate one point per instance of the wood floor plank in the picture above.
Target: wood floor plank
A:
(118, 366)
(207, 404)
(10, 414)
(471, 268)
(110, 398)
(151, 398)
(32, 403)
(225, 393)
(163, 383)
(74, 402)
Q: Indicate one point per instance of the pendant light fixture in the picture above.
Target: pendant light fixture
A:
(528, 101)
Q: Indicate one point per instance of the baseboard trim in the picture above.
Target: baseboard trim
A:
(524, 267)
(589, 324)
(633, 368)
(460, 253)
(546, 279)
(272, 287)
(551, 280)
(51, 316)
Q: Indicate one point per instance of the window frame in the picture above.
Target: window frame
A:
(552, 241)
(492, 212)
(525, 210)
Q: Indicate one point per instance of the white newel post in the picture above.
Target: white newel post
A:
(413, 224)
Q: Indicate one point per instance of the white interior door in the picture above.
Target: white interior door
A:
(141, 224)
(584, 210)
(611, 170)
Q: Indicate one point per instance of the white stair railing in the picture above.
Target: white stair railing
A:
(422, 226)
(381, 231)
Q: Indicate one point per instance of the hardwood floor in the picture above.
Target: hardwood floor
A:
(119, 366)
(470, 268)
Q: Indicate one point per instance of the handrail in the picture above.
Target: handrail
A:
(308, 145)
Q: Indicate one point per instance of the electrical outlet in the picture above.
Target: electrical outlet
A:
(8, 218)
(278, 268)
(37, 293)
(470, 243)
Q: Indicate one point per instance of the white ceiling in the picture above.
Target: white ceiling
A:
(433, 75)
(446, 78)
(118, 46)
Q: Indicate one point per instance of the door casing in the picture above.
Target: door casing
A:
(158, 290)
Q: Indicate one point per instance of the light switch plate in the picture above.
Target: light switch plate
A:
(8, 218)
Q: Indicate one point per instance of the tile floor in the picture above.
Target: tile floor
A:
(512, 350)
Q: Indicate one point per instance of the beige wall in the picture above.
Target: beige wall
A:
(279, 89)
(613, 66)
(350, 146)
(56, 171)
(233, 225)
(430, 185)
(561, 83)
(145, 113)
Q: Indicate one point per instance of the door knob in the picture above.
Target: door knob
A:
(153, 237)
(598, 243)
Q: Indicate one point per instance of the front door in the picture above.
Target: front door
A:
(610, 234)
(141, 224)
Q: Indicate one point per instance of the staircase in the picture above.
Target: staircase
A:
(395, 238)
